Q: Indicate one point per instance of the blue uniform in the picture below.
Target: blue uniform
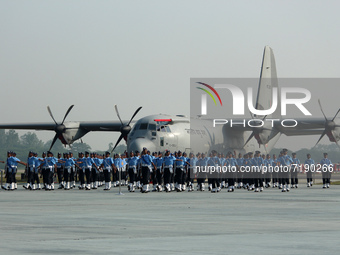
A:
(326, 169)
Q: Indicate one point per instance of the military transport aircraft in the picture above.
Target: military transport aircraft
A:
(162, 132)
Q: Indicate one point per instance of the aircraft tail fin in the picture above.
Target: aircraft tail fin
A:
(268, 81)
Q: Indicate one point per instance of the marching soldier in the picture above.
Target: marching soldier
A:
(285, 162)
(29, 170)
(327, 168)
(275, 173)
(88, 165)
(60, 171)
(81, 170)
(5, 187)
(239, 162)
(132, 163)
(68, 165)
(157, 180)
(268, 163)
(168, 163)
(180, 172)
(190, 177)
(214, 180)
(309, 167)
(108, 166)
(201, 175)
(258, 178)
(250, 162)
(44, 169)
(294, 171)
(73, 173)
(146, 161)
(50, 165)
(95, 172)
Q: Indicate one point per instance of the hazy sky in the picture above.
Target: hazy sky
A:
(95, 54)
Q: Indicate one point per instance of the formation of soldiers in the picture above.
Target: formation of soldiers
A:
(169, 172)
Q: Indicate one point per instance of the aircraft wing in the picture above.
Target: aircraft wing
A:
(85, 125)
(315, 126)
(29, 126)
(102, 125)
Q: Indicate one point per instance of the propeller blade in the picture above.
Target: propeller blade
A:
(250, 137)
(50, 112)
(336, 114)
(335, 139)
(118, 141)
(323, 134)
(54, 140)
(116, 108)
(322, 110)
(136, 114)
(68, 111)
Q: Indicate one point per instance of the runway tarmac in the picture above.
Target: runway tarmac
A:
(303, 221)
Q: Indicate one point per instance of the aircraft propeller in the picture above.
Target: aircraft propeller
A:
(256, 132)
(59, 128)
(124, 129)
(329, 127)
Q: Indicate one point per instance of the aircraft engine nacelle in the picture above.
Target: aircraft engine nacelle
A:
(71, 133)
(262, 131)
(333, 134)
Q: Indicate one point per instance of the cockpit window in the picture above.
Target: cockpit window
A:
(152, 127)
(136, 126)
(143, 126)
(161, 129)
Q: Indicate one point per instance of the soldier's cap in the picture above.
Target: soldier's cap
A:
(44, 153)
(308, 154)
(179, 152)
(293, 153)
(70, 153)
(14, 153)
(59, 153)
(107, 153)
(50, 153)
(136, 152)
(144, 148)
(325, 153)
(87, 153)
(284, 150)
(257, 152)
(250, 153)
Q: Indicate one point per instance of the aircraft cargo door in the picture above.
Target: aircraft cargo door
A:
(167, 140)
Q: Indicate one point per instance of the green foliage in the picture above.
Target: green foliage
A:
(316, 152)
(30, 142)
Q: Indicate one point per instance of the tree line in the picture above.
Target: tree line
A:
(11, 141)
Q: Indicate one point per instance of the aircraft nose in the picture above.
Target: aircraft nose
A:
(139, 143)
